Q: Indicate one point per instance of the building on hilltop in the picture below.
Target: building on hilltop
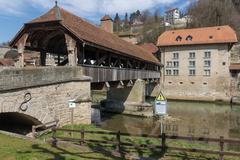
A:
(122, 29)
(171, 15)
(197, 63)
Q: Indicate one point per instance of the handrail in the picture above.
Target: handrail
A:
(117, 68)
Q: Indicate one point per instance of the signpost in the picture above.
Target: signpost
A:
(160, 108)
(72, 105)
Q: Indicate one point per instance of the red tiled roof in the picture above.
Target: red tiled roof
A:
(90, 33)
(150, 47)
(207, 35)
(234, 66)
(6, 62)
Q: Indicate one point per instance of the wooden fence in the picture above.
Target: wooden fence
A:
(162, 138)
(46, 127)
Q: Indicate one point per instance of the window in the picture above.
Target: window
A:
(169, 64)
(168, 72)
(192, 63)
(207, 63)
(192, 72)
(175, 64)
(207, 72)
(175, 55)
(192, 55)
(224, 63)
(179, 38)
(175, 72)
(189, 38)
(207, 54)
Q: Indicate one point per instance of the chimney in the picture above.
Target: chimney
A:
(107, 24)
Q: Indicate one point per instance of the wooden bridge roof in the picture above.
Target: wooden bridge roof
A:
(90, 33)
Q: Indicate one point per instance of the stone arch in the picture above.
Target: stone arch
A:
(22, 103)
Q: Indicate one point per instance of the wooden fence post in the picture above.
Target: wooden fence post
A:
(54, 139)
(34, 132)
(118, 147)
(82, 136)
(163, 142)
(221, 143)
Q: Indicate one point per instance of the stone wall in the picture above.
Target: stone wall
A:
(44, 93)
(128, 100)
(198, 87)
(235, 54)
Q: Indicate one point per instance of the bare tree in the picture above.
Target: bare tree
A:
(207, 13)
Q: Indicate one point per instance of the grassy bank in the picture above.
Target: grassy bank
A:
(147, 141)
(18, 149)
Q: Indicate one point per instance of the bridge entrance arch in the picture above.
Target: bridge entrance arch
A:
(17, 122)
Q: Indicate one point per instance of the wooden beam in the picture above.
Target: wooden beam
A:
(102, 59)
(43, 58)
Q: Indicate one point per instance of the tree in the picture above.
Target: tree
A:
(206, 13)
(117, 23)
(157, 16)
(126, 23)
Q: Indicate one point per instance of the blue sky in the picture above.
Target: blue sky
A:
(14, 13)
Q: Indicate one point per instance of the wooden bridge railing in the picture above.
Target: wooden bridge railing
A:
(106, 74)
(163, 138)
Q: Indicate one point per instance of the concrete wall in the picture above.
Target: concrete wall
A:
(198, 87)
(48, 91)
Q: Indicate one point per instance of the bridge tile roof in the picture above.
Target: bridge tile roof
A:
(150, 47)
(207, 35)
(90, 33)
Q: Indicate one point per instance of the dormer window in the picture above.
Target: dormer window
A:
(179, 38)
(189, 38)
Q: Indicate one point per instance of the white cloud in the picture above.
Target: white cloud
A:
(82, 7)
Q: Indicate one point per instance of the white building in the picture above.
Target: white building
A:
(171, 15)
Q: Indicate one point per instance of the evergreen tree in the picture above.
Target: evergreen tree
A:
(126, 23)
(117, 23)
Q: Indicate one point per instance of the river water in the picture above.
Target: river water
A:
(184, 119)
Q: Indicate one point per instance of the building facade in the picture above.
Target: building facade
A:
(171, 15)
(197, 63)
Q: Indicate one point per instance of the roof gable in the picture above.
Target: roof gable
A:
(90, 33)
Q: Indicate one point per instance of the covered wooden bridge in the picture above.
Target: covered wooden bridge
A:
(75, 42)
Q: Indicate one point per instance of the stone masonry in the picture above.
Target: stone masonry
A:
(43, 93)
(200, 87)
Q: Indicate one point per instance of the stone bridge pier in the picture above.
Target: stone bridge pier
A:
(41, 94)
(131, 99)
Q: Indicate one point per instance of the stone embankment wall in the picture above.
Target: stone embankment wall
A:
(43, 93)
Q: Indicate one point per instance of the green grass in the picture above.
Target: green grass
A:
(18, 149)
(138, 140)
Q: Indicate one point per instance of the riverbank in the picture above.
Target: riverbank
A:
(18, 149)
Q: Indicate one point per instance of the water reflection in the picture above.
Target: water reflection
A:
(185, 119)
